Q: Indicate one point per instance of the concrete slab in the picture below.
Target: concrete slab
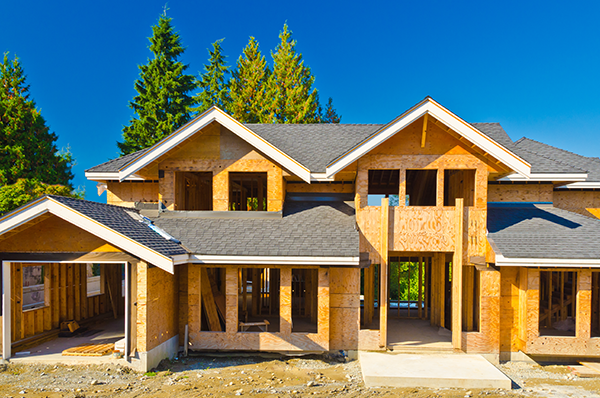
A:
(431, 370)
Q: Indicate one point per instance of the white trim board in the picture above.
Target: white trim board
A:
(429, 106)
(581, 185)
(547, 262)
(45, 204)
(270, 260)
(213, 114)
(558, 177)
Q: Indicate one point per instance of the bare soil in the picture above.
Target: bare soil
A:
(223, 376)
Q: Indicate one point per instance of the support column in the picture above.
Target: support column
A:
(457, 264)
(584, 305)
(285, 302)
(383, 270)
(6, 311)
(127, 310)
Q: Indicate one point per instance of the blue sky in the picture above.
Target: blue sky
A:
(532, 66)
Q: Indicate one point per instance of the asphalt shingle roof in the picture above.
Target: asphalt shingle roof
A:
(115, 164)
(306, 229)
(118, 219)
(527, 230)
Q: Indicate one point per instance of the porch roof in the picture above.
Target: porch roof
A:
(542, 231)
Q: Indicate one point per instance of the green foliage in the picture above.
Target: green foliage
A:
(403, 275)
(330, 115)
(247, 85)
(27, 147)
(215, 89)
(25, 190)
(150, 374)
(290, 97)
(163, 103)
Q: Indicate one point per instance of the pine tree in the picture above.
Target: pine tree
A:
(290, 96)
(213, 83)
(27, 147)
(247, 85)
(163, 103)
(330, 115)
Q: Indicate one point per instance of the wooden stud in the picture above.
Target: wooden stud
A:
(424, 134)
(420, 294)
(210, 305)
(457, 264)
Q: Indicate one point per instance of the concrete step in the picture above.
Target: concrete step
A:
(432, 370)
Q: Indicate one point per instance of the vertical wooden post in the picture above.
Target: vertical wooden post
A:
(457, 263)
(285, 302)
(427, 286)
(383, 270)
(127, 310)
(420, 295)
(550, 290)
(6, 310)
(407, 287)
(584, 305)
(231, 300)
(256, 287)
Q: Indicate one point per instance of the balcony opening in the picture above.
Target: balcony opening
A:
(248, 191)
(194, 190)
(421, 187)
(258, 302)
(558, 298)
(383, 184)
(459, 184)
(305, 308)
(212, 303)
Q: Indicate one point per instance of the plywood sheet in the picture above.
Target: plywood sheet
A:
(91, 350)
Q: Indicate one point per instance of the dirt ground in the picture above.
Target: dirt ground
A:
(222, 376)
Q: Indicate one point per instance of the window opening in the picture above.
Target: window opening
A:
(94, 280)
(383, 184)
(35, 283)
(421, 187)
(558, 291)
(248, 191)
(213, 306)
(194, 191)
(258, 302)
(459, 184)
(305, 300)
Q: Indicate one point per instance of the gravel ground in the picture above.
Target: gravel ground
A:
(266, 376)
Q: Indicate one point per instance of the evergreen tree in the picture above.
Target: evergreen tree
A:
(213, 83)
(163, 103)
(27, 147)
(289, 93)
(330, 115)
(247, 85)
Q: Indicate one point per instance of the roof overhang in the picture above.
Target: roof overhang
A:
(431, 107)
(547, 262)
(581, 185)
(555, 177)
(108, 176)
(46, 204)
(270, 260)
(211, 115)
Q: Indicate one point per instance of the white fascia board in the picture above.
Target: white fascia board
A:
(557, 177)
(581, 185)
(547, 262)
(111, 236)
(214, 114)
(449, 119)
(273, 260)
(23, 215)
(107, 176)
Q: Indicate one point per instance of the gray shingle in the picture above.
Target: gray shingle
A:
(306, 229)
(527, 230)
(115, 164)
(118, 219)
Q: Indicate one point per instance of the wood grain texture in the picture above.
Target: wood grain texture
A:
(582, 202)
(127, 193)
(520, 193)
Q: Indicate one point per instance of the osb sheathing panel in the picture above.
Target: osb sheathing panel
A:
(345, 308)
(581, 344)
(162, 299)
(582, 202)
(54, 235)
(284, 340)
(510, 309)
(488, 338)
(520, 193)
(67, 298)
(127, 193)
